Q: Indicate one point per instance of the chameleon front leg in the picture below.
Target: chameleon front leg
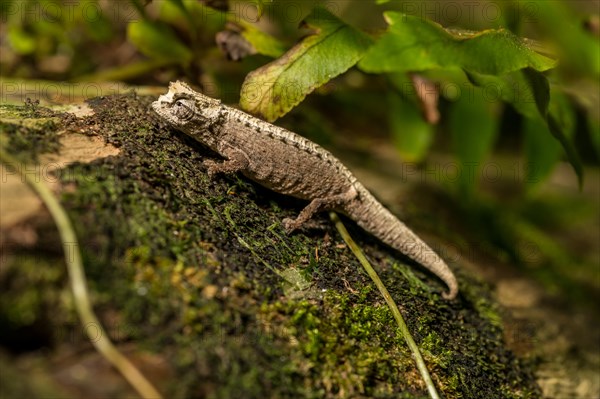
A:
(236, 161)
(318, 205)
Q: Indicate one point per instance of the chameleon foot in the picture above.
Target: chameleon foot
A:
(212, 167)
(289, 225)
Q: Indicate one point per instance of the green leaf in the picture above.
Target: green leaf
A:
(415, 44)
(173, 11)
(594, 130)
(473, 125)
(262, 42)
(157, 41)
(274, 89)
(529, 92)
(260, 8)
(411, 135)
(179, 5)
(126, 72)
(100, 28)
(526, 90)
(578, 48)
(557, 131)
(176, 13)
(542, 154)
(20, 41)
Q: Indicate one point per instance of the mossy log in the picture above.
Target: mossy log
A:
(197, 282)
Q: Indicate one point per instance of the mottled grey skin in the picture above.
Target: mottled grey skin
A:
(290, 164)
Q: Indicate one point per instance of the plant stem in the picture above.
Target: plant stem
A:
(390, 302)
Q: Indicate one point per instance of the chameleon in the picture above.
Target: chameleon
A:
(290, 164)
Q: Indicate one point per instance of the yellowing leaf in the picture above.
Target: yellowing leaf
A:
(274, 89)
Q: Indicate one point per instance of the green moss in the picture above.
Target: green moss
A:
(203, 272)
(27, 131)
(349, 348)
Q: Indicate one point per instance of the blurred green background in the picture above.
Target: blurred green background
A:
(506, 131)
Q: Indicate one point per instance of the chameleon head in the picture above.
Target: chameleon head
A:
(185, 109)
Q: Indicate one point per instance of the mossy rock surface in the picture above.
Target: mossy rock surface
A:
(199, 273)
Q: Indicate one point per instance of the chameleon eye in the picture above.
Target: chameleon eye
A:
(183, 109)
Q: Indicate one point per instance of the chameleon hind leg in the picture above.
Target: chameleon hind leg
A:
(318, 205)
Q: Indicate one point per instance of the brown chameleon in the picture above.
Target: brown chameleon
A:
(290, 164)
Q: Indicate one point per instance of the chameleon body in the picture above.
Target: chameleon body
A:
(290, 164)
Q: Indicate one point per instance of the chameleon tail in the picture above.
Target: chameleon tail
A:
(377, 220)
